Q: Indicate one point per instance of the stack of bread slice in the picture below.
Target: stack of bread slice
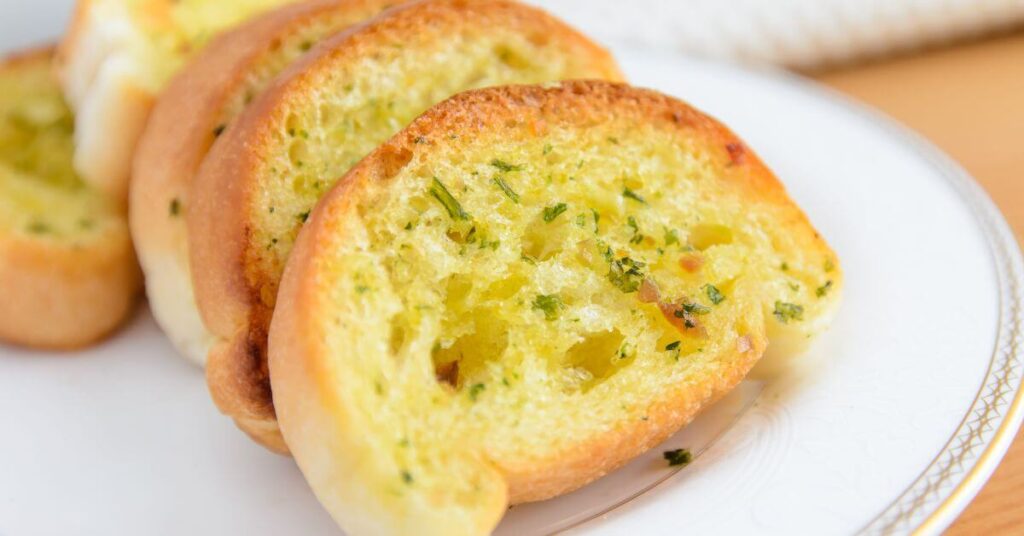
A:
(323, 114)
(439, 251)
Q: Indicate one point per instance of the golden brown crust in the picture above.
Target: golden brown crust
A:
(182, 127)
(230, 288)
(304, 388)
(61, 295)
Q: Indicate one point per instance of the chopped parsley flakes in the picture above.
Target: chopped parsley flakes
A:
(504, 166)
(174, 208)
(714, 294)
(303, 216)
(630, 194)
(38, 227)
(823, 290)
(677, 457)
(788, 311)
(552, 212)
(450, 204)
(671, 237)
(509, 192)
(626, 274)
(475, 390)
(551, 304)
(695, 308)
(637, 236)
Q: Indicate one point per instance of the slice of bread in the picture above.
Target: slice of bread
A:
(199, 104)
(116, 57)
(67, 271)
(522, 291)
(324, 113)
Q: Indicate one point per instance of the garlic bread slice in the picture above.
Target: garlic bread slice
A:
(523, 290)
(199, 104)
(320, 117)
(68, 275)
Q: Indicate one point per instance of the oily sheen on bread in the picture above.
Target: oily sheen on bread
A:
(321, 116)
(67, 272)
(199, 104)
(523, 290)
(114, 60)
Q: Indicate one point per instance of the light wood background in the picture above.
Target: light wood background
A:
(968, 100)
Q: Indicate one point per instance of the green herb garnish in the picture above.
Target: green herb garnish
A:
(551, 304)
(714, 294)
(218, 130)
(406, 477)
(672, 345)
(547, 149)
(695, 308)
(784, 267)
(637, 237)
(38, 227)
(504, 166)
(175, 207)
(475, 390)
(626, 274)
(677, 457)
(671, 237)
(450, 204)
(788, 311)
(823, 290)
(552, 212)
(303, 216)
(630, 194)
(509, 192)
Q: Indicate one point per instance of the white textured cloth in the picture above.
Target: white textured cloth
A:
(795, 33)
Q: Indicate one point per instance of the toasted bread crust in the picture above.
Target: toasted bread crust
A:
(304, 393)
(63, 297)
(182, 127)
(60, 295)
(227, 280)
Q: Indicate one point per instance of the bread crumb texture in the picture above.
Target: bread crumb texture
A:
(41, 197)
(380, 81)
(526, 274)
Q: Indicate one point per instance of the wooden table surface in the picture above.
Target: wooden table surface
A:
(969, 100)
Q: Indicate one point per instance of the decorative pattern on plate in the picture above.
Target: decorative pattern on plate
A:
(945, 487)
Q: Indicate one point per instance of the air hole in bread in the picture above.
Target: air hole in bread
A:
(469, 359)
(595, 359)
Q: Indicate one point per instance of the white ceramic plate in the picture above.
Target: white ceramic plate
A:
(892, 421)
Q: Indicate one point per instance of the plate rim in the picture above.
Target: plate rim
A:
(941, 491)
(934, 500)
